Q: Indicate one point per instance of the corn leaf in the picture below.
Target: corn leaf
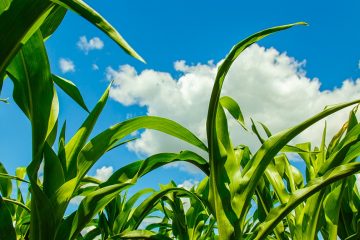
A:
(95, 18)
(71, 90)
(140, 234)
(100, 144)
(18, 23)
(78, 141)
(234, 109)
(314, 186)
(53, 172)
(7, 231)
(34, 91)
(217, 155)
(5, 182)
(52, 21)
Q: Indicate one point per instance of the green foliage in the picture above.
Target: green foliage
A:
(243, 196)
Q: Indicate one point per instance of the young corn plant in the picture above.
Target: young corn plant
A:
(186, 217)
(235, 176)
(123, 219)
(233, 186)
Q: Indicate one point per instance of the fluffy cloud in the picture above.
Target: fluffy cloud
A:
(271, 87)
(92, 44)
(188, 184)
(104, 173)
(66, 65)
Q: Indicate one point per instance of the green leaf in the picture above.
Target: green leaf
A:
(95, 18)
(140, 234)
(126, 211)
(71, 90)
(7, 231)
(20, 204)
(120, 180)
(234, 109)
(34, 91)
(314, 186)
(5, 182)
(7, 176)
(4, 5)
(61, 147)
(91, 205)
(78, 141)
(148, 204)
(217, 155)
(17, 30)
(52, 21)
(53, 172)
(100, 144)
(332, 205)
(256, 167)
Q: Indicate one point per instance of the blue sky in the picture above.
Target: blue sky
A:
(164, 32)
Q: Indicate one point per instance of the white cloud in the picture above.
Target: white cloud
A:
(95, 67)
(270, 87)
(66, 65)
(188, 184)
(104, 173)
(94, 43)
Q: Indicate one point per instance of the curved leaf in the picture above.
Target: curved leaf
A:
(78, 141)
(100, 144)
(16, 30)
(278, 213)
(140, 234)
(234, 109)
(71, 90)
(216, 154)
(95, 18)
(7, 230)
(52, 21)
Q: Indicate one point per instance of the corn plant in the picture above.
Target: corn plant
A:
(186, 217)
(237, 181)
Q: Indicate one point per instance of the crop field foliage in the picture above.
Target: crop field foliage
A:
(245, 195)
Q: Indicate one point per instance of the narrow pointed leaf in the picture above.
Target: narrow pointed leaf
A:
(140, 234)
(95, 18)
(5, 182)
(17, 30)
(71, 90)
(78, 141)
(278, 213)
(52, 21)
(234, 109)
(7, 231)
(100, 144)
(53, 172)
(34, 91)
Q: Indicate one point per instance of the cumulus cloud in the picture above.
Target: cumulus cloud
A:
(94, 43)
(66, 65)
(104, 173)
(270, 87)
(188, 184)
